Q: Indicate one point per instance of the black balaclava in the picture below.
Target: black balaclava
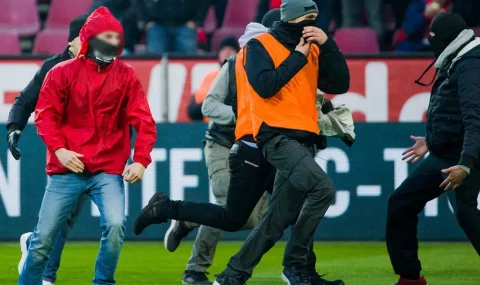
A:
(444, 29)
(296, 29)
(101, 52)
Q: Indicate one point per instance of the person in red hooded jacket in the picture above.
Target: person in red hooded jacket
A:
(83, 114)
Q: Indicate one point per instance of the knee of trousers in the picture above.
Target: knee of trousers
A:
(115, 230)
(325, 189)
(234, 222)
(42, 244)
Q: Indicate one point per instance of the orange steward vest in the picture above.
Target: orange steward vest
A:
(244, 124)
(294, 106)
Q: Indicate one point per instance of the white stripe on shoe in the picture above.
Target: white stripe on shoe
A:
(24, 249)
(285, 279)
(47, 283)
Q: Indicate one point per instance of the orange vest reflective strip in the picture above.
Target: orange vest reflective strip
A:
(294, 106)
(244, 125)
(202, 91)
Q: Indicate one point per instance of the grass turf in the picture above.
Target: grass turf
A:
(357, 263)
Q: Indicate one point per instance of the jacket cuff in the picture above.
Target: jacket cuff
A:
(467, 160)
(12, 127)
(329, 46)
(143, 161)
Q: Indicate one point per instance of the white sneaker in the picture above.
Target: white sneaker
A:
(24, 249)
(47, 283)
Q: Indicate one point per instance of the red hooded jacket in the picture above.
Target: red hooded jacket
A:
(89, 110)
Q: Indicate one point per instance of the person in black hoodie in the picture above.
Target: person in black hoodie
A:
(21, 110)
(453, 140)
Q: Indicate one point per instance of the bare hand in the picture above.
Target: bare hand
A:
(314, 34)
(70, 160)
(191, 25)
(456, 175)
(133, 172)
(303, 47)
(417, 151)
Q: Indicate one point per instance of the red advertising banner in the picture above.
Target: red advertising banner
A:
(381, 90)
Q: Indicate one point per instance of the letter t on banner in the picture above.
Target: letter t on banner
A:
(178, 180)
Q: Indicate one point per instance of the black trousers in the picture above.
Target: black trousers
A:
(250, 176)
(410, 198)
(301, 196)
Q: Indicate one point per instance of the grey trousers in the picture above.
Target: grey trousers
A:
(352, 14)
(203, 251)
(302, 189)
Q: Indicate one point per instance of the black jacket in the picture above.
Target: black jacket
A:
(25, 103)
(172, 12)
(453, 119)
(267, 80)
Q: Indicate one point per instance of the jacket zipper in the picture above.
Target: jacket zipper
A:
(98, 68)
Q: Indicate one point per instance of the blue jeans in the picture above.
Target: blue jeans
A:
(162, 39)
(61, 196)
(50, 273)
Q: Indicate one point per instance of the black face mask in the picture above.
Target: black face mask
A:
(296, 29)
(437, 45)
(102, 52)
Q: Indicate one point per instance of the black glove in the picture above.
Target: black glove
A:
(327, 106)
(12, 140)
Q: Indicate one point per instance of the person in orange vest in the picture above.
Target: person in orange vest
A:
(228, 47)
(284, 69)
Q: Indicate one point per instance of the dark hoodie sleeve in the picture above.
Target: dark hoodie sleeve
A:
(265, 79)
(334, 73)
(469, 97)
(25, 103)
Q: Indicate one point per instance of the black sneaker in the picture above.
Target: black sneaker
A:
(296, 275)
(178, 230)
(317, 279)
(224, 279)
(153, 213)
(193, 277)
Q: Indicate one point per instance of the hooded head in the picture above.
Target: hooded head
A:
(444, 29)
(228, 47)
(256, 29)
(101, 37)
(296, 15)
(74, 33)
(271, 17)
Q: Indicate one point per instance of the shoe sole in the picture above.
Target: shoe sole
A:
(285, 279)
(24, 250)
(186, 283)
(173, 224)
(216, 283)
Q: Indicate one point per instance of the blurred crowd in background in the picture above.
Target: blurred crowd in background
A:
(190, 27)
(180, 25)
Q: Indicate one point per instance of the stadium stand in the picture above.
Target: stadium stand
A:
(51, 41)
(10, 44)
(19, 16)
(357, 40)
(61, 12)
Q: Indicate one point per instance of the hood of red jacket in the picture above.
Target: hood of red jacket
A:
(101, 20)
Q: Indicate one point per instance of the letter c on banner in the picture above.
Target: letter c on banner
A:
(342, 165)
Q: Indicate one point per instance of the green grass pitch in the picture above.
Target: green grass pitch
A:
(358, 263)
